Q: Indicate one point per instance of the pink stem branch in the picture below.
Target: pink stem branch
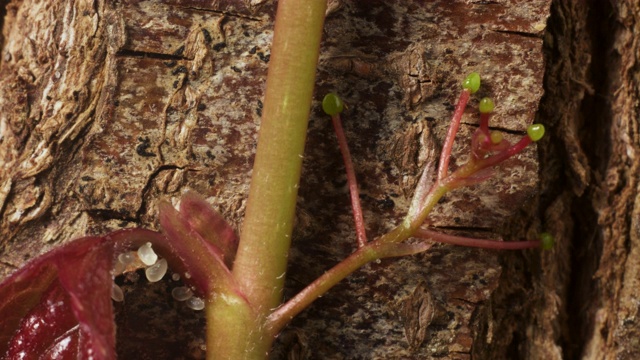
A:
(351, 180)
(445, 155)
(505, 154)
(474, 242)
(282, 315)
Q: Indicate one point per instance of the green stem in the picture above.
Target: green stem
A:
(261, 259)
(233, 329)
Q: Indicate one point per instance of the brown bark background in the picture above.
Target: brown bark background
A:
(106, 107)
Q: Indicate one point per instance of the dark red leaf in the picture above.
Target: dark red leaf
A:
(63, 292)
(48, 326)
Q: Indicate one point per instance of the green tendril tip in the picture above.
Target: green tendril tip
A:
(486, 105)
(472, 82)
(332, 104)
(535, 131)
(547, 241)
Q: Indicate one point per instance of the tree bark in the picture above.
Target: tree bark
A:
(582, 303)
(107, 107)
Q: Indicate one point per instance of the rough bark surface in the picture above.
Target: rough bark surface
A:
(583, 303)
(107, 107)
(613, 315)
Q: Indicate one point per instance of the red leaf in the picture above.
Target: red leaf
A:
(58, 306)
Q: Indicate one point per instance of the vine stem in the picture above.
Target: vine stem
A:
(265, 238)
(235, 329)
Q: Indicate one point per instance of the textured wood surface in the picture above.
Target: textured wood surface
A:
(108, 106)
(615, 309)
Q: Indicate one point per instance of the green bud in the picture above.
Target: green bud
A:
(547, 241)
(535, 131)
(472, 82)
(486, 105)
(332, 104)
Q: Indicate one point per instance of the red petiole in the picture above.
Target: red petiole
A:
(358, 218)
